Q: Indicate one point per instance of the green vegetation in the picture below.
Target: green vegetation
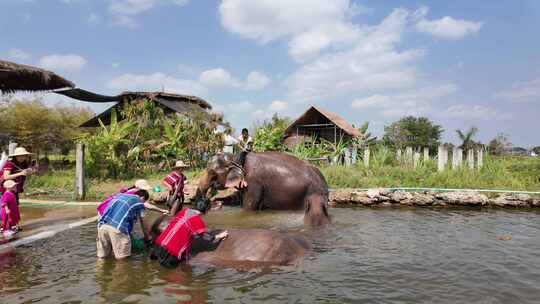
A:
(40, 128)
(147, 140)
(413, 132)
(511, 173)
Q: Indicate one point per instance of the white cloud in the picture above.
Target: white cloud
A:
(278, 106)
(471, 112)
(18, 54)
(527, 91)
(220, 77)
(123, 11)
(67, 62)
(313, 25)
(413, 102)
(374, 63)
(256, 81)
(155, 82)
(93, 19)
(448, 27)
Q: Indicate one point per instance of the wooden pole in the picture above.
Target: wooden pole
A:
(480, 161)
(366, 157)
(441, 158)
(470, 158)
(416, 159)
(426, 154)
(398, 155)
(455, 159)
(408, 156)
(11, 147)
(79, 172)
(354, 155)
(348, 156)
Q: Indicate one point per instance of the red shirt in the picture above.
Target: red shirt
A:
(174, 179)
(179, 233)
(13, 168)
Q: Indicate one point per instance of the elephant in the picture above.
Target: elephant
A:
(244, 247)
(275, 180)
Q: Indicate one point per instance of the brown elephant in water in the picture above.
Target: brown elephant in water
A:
(244, 247)
(274, 180)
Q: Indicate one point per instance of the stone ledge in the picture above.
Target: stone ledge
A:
(384, 197)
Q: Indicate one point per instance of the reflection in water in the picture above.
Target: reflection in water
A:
(369, 255)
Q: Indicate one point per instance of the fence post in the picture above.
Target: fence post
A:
(480, 161)
(416, 159)
(11, 147)
(398, 155)
(366, 157)
(442, 155)
(455, 158)
(348, 156)
(354, 155)
(426, 154)
(408, 156)
(470, 158)
(79, 172)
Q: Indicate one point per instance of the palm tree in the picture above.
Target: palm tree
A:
(467, 138)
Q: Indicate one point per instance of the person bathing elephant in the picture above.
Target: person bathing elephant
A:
(185, 236)
(272, 180)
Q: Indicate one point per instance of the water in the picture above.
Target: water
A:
(371, 255)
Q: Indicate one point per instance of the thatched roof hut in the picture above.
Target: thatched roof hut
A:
(171, 103)
(319, 123)
(18, 77)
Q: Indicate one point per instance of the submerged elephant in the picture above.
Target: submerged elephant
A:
(244, 246)
(275, 181)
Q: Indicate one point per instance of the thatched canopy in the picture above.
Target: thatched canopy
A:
(171, 103)
(18, 77)
(319, 123)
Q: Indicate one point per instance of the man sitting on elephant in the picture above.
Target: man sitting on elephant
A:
(173, 245)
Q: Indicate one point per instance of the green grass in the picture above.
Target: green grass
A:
(60, 184)
(503, 173)
(511, 173)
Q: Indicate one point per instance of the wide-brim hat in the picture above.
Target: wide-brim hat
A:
(19, 151)
(180, 164)
(9, 183)
(142, 184)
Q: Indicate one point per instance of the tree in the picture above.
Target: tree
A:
(413, 131)
(499, 144)
(269, 134)
(364, 139)
(42, 129)
(466, 138)
(536, 150)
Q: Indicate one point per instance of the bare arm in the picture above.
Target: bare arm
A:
(8, 175)
(155, 208)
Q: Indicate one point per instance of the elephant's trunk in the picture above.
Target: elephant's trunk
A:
(316, 212)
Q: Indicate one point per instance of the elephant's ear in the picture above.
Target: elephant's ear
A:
(233, 178)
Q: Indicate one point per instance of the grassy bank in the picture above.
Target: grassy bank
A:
(513, 173)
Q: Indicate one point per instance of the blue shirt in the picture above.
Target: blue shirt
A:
(123, 210)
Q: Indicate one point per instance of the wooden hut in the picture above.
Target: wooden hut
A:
(171, 103)
(318, 123)
(19, 77)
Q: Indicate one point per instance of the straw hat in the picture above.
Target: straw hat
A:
(9, 184)
(180, 164)
(19, 151)
(143, 184)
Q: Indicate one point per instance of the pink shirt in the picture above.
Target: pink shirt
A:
(174, 179)
(9, 200)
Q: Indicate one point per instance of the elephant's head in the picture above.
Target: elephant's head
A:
(221, 173)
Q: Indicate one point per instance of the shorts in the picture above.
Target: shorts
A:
(110, 239)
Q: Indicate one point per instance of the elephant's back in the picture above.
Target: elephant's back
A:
(258, 246)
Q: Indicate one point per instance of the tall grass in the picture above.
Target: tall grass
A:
(503, 173)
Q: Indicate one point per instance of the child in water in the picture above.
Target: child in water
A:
(9, 209)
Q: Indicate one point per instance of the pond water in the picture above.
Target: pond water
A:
(370, 255)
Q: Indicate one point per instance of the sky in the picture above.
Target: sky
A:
(460, 63)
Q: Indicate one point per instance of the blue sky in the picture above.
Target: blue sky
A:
(460, 63)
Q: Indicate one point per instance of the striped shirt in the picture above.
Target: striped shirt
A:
(174, 179)
(122, 212)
